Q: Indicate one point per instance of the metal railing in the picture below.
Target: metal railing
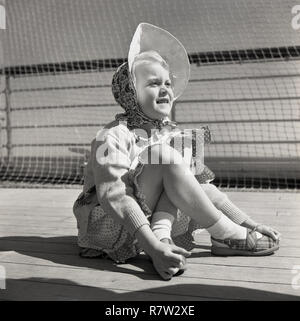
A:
(199, 59)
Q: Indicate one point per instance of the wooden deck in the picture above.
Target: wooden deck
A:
(39, 253)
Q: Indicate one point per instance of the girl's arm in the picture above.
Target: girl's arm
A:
(111, 163)
(116, 197)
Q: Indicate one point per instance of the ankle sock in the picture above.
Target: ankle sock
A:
(225, 228)
(161, 224)
(235, 214)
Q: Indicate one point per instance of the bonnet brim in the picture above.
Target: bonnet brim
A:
(149, 37)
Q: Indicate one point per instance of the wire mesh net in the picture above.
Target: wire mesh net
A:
(58, 58)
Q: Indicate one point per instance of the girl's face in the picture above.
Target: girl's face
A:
(154, 89)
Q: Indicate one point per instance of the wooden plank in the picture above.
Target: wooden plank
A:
(41, 214)
(67, 245)
(267, 195)
(290, 215)
(187, 285)
(280, 214)
(64, 195)
(271, 204)
(40, 289)
(39, 245)
(289, 209)
(68, 252)
(71, 227)
(56, 211)
(72, 231)
(65, 198)
(280, 223)
(57, 230)
(52, 235)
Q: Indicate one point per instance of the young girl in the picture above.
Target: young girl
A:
(136, 177)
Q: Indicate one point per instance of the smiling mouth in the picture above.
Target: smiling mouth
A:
(162, 101)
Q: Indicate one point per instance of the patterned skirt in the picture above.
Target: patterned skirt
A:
(107, 238)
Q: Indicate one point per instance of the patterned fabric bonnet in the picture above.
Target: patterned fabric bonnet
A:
(125, 95)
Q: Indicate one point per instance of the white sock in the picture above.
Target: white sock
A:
(225, 228)
(161, 224)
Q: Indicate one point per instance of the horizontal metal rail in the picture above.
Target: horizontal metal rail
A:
(59, 88)
(184, 101)
(191, 81)
(273, 76)
(200, 122)
(198, 58)
(230, 100)
(237, 121)
(293, 142)
(78, 157)
(64, 106)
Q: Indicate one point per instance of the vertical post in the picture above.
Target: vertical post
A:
(8, 117)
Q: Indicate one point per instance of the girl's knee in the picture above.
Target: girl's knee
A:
(214, 194)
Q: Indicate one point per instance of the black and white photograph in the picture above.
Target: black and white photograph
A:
(149, 153)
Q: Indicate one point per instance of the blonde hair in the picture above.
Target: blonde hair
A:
(150, 56)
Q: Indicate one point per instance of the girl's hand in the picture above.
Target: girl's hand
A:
(269, 231)
(168, 258)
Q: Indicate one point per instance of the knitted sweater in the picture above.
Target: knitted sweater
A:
(113, 153)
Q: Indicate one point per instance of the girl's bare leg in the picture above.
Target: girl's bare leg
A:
(174, 182)
(182, 189)
(165, 205)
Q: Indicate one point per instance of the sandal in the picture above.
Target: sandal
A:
(251, 246)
